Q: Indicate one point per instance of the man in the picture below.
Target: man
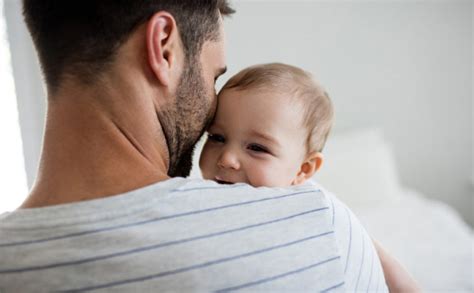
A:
(130, 91)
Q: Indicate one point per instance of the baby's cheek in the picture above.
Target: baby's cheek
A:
(267, 174)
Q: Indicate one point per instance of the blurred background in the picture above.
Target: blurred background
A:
(400, 75)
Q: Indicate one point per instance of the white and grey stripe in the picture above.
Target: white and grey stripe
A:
(189, 235)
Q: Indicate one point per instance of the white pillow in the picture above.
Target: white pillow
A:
(359, 168)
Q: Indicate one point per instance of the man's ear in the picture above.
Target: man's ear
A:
(163, 46)
(310, 165)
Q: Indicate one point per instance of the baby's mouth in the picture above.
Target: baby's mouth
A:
(223, 182)
(219, 180)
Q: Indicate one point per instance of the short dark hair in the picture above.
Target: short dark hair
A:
(80, 37)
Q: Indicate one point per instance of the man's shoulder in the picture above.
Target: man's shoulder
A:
(176, 194)
(210, 187)
(186, 232)
(361, 264)
(243, 194)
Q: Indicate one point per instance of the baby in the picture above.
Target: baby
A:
(270, 127)
(271, 124)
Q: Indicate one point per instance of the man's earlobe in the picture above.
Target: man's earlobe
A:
(161, 38)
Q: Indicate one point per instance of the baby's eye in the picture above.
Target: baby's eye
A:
(215, 137)
(257, 148)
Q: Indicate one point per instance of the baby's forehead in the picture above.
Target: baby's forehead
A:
(264, 107)
(271, 96)
(259, 92)
(254, 89)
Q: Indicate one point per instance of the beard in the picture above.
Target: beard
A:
(186, 119)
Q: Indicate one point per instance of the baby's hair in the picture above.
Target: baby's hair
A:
(318, 110)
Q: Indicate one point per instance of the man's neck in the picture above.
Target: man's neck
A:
(98, 144)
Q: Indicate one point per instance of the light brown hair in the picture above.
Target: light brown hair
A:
(318, 113)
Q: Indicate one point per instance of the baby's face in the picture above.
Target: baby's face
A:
(257, 137)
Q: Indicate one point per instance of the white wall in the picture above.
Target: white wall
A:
(472, 95)
(11, 155)
(405, 66)
(28, 85)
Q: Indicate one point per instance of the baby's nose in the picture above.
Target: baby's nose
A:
(229, 160)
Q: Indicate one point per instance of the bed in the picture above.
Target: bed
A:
(427, 236)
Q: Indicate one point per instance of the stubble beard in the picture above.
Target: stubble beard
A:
(185, 120)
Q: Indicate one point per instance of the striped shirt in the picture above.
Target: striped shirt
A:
(190, 235)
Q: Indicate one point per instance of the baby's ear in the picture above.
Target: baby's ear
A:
(310, 165)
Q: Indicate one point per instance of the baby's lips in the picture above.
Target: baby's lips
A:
(223, 180)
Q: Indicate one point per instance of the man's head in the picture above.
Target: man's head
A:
(82, 40)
